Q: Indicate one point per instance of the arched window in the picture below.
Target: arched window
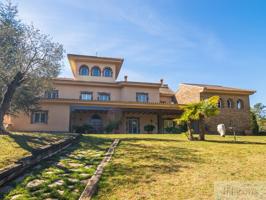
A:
(229, 103)
(84, 70)
(107, 72)
(95, 71)
(240, 104)
(220, 103)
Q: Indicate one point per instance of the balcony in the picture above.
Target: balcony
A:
(115, 104)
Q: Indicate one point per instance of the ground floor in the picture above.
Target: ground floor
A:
(118, 118)
(99, 119)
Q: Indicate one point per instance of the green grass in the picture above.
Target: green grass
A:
(170, 167)
(18, 145)
(72, 168)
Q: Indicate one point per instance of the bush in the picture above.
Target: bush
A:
(178, 129)
(86, 128)
(113, 125)
(254, 124)
(149, 128)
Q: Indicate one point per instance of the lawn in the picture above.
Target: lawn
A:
(170, 167)
(63, 176)
(17, 145)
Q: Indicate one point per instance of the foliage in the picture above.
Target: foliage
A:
(28, 61)
(86, 128)
(254, 123)
(149, 128)
(176, 129)
(113, 125)
(198, 112)
(259, 110)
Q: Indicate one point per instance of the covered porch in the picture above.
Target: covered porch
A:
(105, 119)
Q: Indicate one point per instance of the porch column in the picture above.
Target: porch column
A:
(160, 123)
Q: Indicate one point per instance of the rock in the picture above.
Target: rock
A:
(49, 172)
(75, 165)
(61, 192)
(16, 197)
(60, 164)
(73, 180)
(84, 175)
(35, 183)
(56, 183)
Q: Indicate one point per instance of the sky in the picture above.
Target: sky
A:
(182, 41)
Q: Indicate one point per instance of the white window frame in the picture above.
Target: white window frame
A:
(104, 97)
(52, 94)
(86, 96)
(142, 97)
(39, 117)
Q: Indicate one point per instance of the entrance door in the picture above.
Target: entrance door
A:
(133, 125)
(96, 123)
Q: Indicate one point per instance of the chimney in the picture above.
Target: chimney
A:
(161, 82)
(125, 78)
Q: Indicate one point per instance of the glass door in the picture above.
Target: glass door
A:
(133, 125)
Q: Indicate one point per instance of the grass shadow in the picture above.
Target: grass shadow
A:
(235, 142)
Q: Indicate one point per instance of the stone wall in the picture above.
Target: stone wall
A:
(231, 117)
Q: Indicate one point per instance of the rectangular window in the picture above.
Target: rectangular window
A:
(104, 97)
(39, 117)
(86, 96)
(142, 97)
(52, 94)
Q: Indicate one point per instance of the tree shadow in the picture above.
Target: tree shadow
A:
(235, 142)
(98, 147)
(32, 143)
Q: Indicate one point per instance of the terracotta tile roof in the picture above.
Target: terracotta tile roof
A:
(166, 91)
(220, 88)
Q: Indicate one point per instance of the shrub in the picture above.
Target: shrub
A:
(176, 129)
(254, 124)
(113, 125)
(86, 128)
(149, 128)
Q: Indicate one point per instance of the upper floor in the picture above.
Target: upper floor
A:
(231, 99)
(93, 68)
(95, 80)
(125, 91)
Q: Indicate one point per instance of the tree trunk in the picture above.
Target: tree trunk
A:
(190, 133)
(202, 129)
(8, 95)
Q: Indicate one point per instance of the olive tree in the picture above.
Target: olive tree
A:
(28, 62)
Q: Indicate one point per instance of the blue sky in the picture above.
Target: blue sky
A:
(206, 41)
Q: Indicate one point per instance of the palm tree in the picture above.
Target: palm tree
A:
(199, 112)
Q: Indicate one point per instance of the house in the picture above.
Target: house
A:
(234, 105)
(94, 97)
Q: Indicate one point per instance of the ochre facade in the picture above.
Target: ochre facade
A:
(93, 97)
